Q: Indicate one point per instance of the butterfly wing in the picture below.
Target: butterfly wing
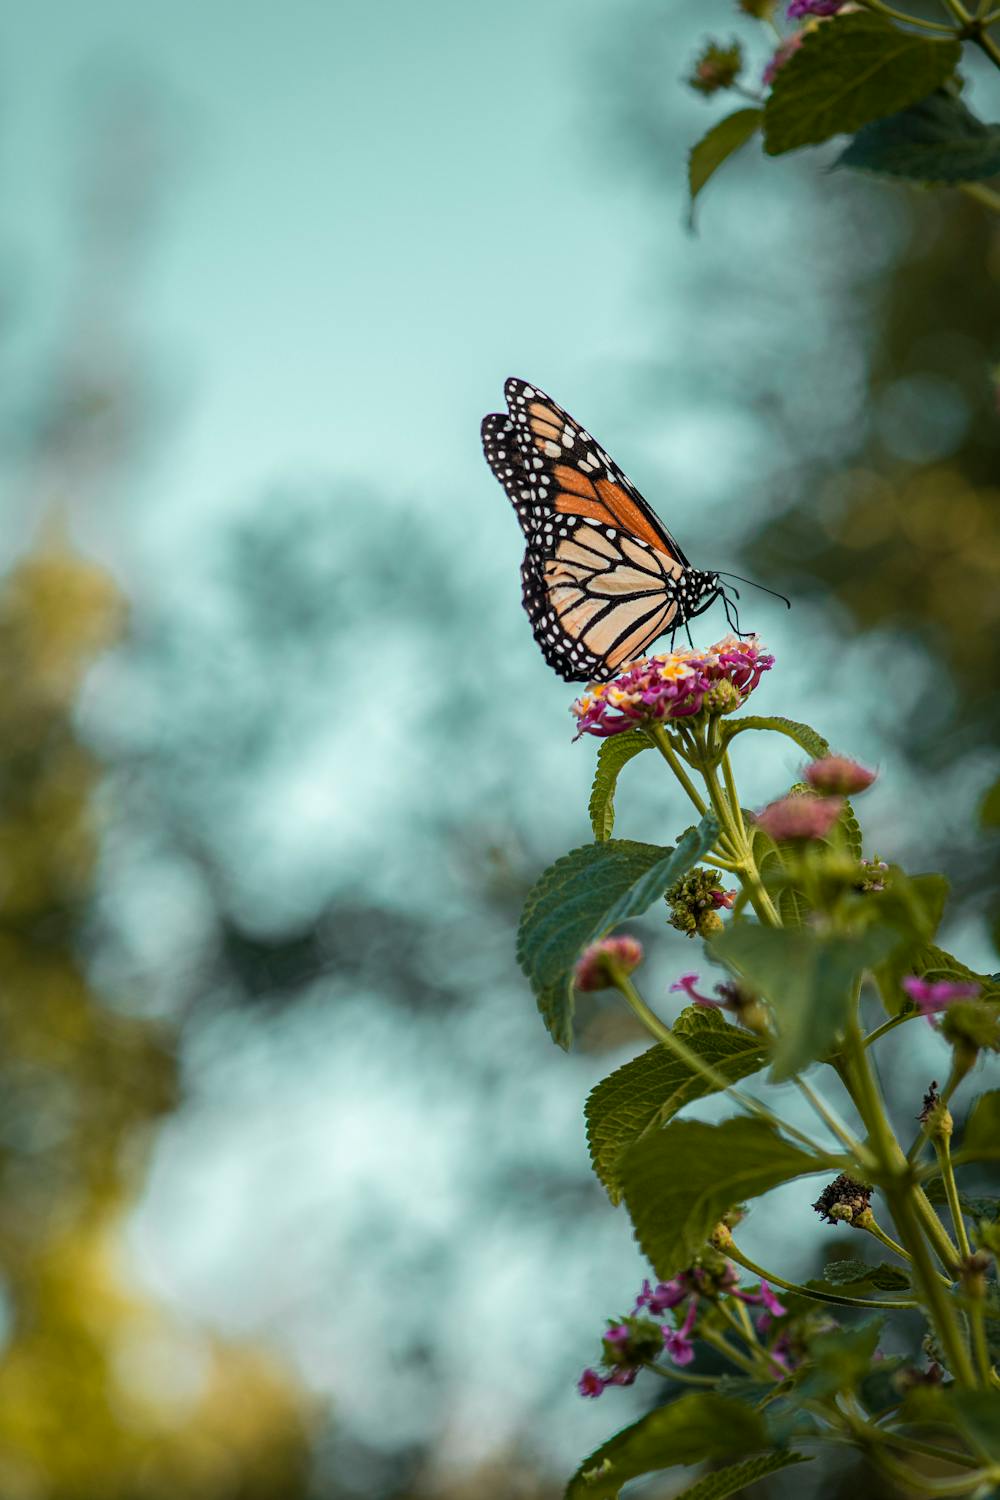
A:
(600, 572)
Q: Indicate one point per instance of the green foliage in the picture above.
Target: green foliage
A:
(689, 1430)
(840, 1359)
(736, 1477)
(913, 906)
(981, 1137)
(725, 138)
(977, 1206)
(856, 1278)
(581, 897)
(649, 1090)
(974, 1413)
(614, 753)
(679, 1181)
(845, 74)
(936, 140)
(805, 737)
(808, 978)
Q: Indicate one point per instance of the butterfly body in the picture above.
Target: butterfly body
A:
(602, 578)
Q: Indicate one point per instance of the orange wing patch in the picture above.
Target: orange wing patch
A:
(628, 516)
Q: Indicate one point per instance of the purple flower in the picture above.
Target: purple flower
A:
(618, 1333)
(799, 8)
(663, 1297)
(677, 1341)
(771, 1302)
(590, 1383)
(929, 996)
(687, 983)
(673, 687)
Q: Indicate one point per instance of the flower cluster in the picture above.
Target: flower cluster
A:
(732, 997)
(801, 815)
(695, 902)
(637, 1340)
(674, 686)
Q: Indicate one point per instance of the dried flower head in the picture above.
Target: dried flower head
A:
(674, 686)
(800, 816)
(594, 966)
(717, 68)
(838, 776)
(843, 1201)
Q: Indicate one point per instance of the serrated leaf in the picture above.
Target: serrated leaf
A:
(935, 140)
(649, 1090)
(736, 1477)
(689, 1430)
(804, 736)
(581, 897)
(981, 1136)
(853, 70)
(850, 830)
(808, 979)
(983, 1209)
(883, 1277)
(839, 1360)
(614, 753)
(679, 1181)
(717, 145)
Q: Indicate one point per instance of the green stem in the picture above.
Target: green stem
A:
(731, 821)
(878, 1233)
(720, 864)
(982, 194)
(903, 1199)
(669, 1373)
(943, 1148)
(735, 1356)
(661, 740)
(880, 1031)
(669, 1039)
(835, 1126)
(806, 1291)
(932, 1450)
(980, 1345)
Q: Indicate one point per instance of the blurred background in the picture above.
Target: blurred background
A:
(294, 1192)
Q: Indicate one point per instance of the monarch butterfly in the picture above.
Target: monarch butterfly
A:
(602, 578)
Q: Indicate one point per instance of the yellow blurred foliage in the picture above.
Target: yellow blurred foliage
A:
(103, 1394)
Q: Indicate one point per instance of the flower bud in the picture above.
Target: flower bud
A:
(594, 966)
(723, 697)
(837, 776)
(717, 68)
(799, 816)
(694, 903)
(871, 875)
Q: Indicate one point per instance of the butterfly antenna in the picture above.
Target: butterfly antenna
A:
(760, 586)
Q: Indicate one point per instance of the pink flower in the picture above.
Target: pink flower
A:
(687, 983)
(663, 1297)
(590, 1383)
(592, 968)
(673, 687)
(799, 8)
(771, 1302)
(618, 1333)
(837, 776)
(723, 898)
(929, 997)
(782, 54)
(800, 816)
(677, 1341)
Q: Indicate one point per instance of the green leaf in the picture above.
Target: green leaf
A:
(581, 897)
(718, 145)
(806, 738)
(649, 1090)
(808, 979)
(679, 1181)
(729, 1481)
(853, 70)
(614, 753)
(984, 1209)
(989, 811)
(936, 140)
(978, 1415)
(689, 1430)
(850, 829)
(981, 1137)
(840, 1359)
(883, 1277)
(913, 906)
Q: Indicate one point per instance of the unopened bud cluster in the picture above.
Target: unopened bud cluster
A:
(695, 902)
